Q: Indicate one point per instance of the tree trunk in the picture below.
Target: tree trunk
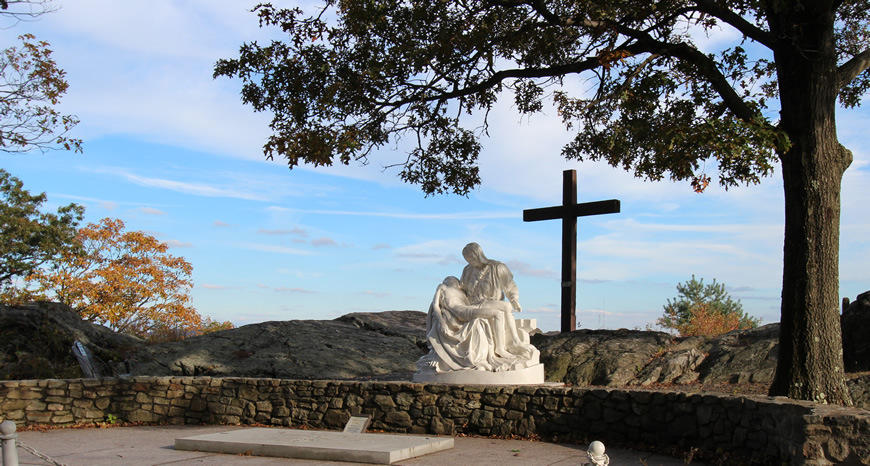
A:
(810, 362)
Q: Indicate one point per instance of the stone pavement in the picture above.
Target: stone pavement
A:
(154, 445)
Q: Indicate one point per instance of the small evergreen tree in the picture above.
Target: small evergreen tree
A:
(704, 310)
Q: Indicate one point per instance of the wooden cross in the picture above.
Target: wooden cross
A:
(568, 212)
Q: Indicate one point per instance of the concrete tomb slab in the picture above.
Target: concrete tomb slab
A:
(316, 445)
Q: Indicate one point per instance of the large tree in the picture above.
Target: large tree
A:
(361, 73)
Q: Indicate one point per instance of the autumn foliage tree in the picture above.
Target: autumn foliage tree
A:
(704, 310)
(632, 77)
(125, 280)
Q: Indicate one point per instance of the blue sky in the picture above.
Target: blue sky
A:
(173, 152)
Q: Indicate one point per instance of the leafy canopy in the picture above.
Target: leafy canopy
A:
(627, 74)
(30, 238)
(704, 310)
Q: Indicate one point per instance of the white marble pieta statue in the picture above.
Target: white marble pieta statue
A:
(473, 336)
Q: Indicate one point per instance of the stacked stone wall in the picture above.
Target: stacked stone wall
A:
(760, 428)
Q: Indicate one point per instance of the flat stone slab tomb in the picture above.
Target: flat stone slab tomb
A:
(317, 445)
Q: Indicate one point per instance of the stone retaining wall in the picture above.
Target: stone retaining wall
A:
(761, 428)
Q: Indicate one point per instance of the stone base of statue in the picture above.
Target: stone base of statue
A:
(533, 375)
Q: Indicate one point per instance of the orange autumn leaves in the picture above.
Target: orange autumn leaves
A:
(704, 320)
(125, 280)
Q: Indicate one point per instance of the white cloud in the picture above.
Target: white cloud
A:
(294, 231)
(151, 211)
(407, 216)
(193, 29)
(300, 273)
(522, 268)
(209, 286)
(274, 248)
(715, 38)
(442, 252)
(157, 59)
(621, 258)
(282, 289)
(754, 230)
(523, 159)
(324, 242)
(174, 243)
(197, 189)
(541, 310)
(108, 205)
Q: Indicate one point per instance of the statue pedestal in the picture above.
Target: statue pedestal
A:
(533, 375)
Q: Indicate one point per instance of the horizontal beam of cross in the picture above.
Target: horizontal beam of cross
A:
(575, 210)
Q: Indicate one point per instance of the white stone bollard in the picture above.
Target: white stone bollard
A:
(596, 454)
(7, 441)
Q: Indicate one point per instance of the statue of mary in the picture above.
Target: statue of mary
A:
(472, 334)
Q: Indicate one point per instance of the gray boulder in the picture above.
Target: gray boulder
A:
(373, 346)
(859, 388)
(598, 357)
(617, 358)
(855, 323)
(739, 356)
(676, 366)
(36, 342)
(405, 324)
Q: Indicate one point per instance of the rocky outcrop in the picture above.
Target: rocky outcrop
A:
(598, 357)
(740, 356)
(36, 342)
(382, 345)
(855, 323)
(616, 358)
(405, 324)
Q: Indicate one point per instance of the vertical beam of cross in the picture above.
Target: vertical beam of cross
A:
(568, 212)
(569, 253)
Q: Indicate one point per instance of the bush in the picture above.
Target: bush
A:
(704, 310)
